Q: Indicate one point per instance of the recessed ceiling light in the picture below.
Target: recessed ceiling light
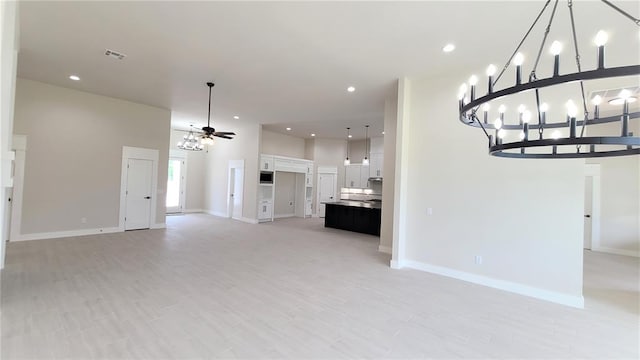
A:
(74, 77)
(350, 136)
(288, 129)
(313, 135)
(448, 48)
(236, 117)
(351, 89)
(383, 133)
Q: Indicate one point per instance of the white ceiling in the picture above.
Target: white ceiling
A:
(288, 64)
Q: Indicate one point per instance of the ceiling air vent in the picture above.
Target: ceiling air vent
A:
(114, 54)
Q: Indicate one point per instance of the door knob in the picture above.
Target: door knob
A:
(147, 197)
(587, 216)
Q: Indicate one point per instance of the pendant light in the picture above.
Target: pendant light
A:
(365, 161)
(346, 160)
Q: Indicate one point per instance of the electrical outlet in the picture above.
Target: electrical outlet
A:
(478, 260)
(83, 220)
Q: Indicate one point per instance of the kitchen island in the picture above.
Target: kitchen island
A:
(359, 216)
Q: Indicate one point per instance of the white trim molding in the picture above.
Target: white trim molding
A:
(191, 211)
(248, 220)
(158, 226)
(614, 251)
(552, 296)
(68, 233)
(217, 213)
(20, 147)
(384, 249)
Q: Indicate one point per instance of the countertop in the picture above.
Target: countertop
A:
(352, 203)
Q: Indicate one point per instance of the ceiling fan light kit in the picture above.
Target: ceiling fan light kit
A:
(576, 144)
(208, 134)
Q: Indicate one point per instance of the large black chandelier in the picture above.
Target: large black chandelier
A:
(572, 141)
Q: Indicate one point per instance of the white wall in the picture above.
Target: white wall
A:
(194, 188)
(388, 172)
(285, 194)
(524, 217)
(356, 151)
(74, 155)
(619, 196)
(280, 144)
(245, 146)
(9, 45)
(327, 153)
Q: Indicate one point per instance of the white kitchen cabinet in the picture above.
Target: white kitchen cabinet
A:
(352, 175)
(265, 210)
(266, 163)
(364, 176)
(356, 176)
(376, 165)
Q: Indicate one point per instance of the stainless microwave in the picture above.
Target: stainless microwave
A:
(266, 177)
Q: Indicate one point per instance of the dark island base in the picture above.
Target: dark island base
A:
(353, 218)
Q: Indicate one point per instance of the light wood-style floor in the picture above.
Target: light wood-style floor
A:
(209, 287)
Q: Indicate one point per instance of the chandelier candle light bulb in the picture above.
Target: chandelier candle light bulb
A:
(556, 48)
(596, 102)
(521, 110)
(544, 107)
(518, 59)
(625, 95)
(526, 118)
(600, 41)
(491, 71)
(473, 81)
(572, 111)
(485, 110)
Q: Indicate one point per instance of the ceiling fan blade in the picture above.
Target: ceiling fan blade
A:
(223, 136)
(224, 133)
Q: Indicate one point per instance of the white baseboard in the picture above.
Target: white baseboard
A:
(384, 249)
(158, 226)
(191, 211)
(217, 213)
(616, 251)
(397, 264)
(248, 220)
(559, 298)
(281, 216)
(68, 233)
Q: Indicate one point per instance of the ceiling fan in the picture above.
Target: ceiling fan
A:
(209, 132)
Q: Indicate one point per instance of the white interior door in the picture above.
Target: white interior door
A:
(326, 191)
(238, 190)
(588, 211)
(175, 185)
(138, 194)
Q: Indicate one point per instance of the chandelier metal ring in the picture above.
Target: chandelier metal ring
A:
(471, 108)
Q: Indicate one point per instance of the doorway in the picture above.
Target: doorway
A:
(138, 188)
(592, 207)
(327, 187)
(236, 189)
(176, 180)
